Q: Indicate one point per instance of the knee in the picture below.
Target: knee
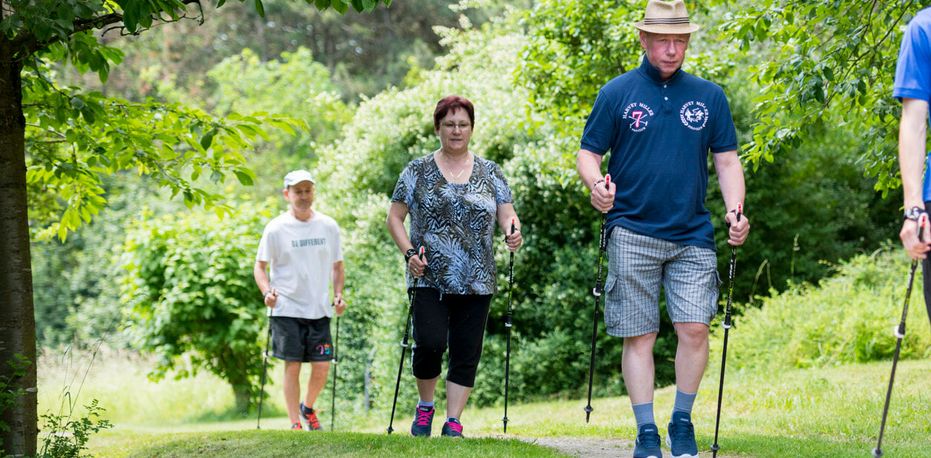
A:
(692, 333)
(640, 344)
(427, 345)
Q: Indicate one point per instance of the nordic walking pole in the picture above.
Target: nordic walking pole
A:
(335, 367)
(404, 345)
(602, 246)
(268, 337)
(508, 324)
(727, 328)
(899, 332)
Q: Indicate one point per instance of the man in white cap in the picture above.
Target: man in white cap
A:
(302, 249)
(660, 123)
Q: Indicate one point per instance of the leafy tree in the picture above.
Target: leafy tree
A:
(95, 137)
(825, 62)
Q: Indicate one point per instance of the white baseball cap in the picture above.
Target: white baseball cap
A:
(297, 176)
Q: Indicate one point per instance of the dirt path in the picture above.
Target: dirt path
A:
(594, 448)
(586, 447)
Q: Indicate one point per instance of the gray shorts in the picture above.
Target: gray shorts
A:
(637, 264)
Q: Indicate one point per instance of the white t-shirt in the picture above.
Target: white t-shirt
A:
(301, 255)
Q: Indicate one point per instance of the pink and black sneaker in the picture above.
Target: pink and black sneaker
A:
(423, 421)
(452, 428)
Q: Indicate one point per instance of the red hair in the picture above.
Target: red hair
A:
(451, 103)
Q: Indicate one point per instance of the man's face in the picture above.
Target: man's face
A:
(665, 51)
(301, 195)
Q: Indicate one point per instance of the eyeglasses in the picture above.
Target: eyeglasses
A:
(453, 126)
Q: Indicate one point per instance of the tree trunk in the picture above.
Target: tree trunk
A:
(17, 319)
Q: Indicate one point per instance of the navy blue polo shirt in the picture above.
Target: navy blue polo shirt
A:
(659, 134)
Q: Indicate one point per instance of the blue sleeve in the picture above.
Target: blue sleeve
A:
(600, 127)
(502, 190)
(913, 72)
(724, 134)
(404, 189)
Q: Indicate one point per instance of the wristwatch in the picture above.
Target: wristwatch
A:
(410, 253)
(914, 213)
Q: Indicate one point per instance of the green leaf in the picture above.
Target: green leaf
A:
(207, 139)
(244, 176)
(260, 8)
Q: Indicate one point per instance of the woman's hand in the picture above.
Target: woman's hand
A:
(416, 265)
(514, 240)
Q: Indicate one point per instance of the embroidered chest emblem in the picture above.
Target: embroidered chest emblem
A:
(638, 116)
(694, 115)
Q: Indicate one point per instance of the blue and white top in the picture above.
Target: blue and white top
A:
(913, 73)
(455, 222)
(659, 133)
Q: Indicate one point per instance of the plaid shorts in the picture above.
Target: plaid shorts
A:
(637, 264)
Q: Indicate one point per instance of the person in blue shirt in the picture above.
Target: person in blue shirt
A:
(660, 123)
(913, 88)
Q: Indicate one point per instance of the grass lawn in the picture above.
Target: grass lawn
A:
(833, 412)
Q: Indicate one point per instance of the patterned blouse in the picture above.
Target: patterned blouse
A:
(455, 222)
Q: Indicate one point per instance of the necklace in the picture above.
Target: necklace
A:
(462, 169)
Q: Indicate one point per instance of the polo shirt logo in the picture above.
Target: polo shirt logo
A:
(639, 115)
(694, 115)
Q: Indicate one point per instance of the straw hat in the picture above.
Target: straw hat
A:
(666, 17)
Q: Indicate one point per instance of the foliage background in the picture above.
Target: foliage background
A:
(532, 69)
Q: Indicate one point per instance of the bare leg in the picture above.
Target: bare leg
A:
(426, 388)
(456, 398)
(637, 367)
(318, 373)
(691, 355)
(292, 388)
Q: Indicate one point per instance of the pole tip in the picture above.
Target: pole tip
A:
(877, 453)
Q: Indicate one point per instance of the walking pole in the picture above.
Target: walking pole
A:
(899, 332)
(335, 367)
(268, 336)
(508, 324)
(602, 246)
(404, 345)
(727, 328)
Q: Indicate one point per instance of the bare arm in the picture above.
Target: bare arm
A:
(731, 179)
(339, 281)
(589, 168)
(913, 129)
(395, 222)
(261, 279)
(506, 215)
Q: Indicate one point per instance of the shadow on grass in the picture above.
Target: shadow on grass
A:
(234, 414)
(258, 444)
(746, 445)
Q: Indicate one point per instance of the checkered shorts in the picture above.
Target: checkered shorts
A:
(637, 264)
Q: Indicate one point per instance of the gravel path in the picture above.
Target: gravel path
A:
(586, 447)
(595, 448)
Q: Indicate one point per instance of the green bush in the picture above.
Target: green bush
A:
(190, 294)
(847, 318)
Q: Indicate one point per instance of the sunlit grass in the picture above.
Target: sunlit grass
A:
(812, 412)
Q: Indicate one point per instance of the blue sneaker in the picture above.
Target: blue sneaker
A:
(647, 445)
(423, 421)
(452, 428)
(681, 436)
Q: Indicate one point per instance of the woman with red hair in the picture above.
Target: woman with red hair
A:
(454, 199)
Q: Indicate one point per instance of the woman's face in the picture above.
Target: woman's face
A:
(455, 131)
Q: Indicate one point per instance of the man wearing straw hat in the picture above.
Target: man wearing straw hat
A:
(660, 123)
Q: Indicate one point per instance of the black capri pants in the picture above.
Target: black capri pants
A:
(456, 320)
